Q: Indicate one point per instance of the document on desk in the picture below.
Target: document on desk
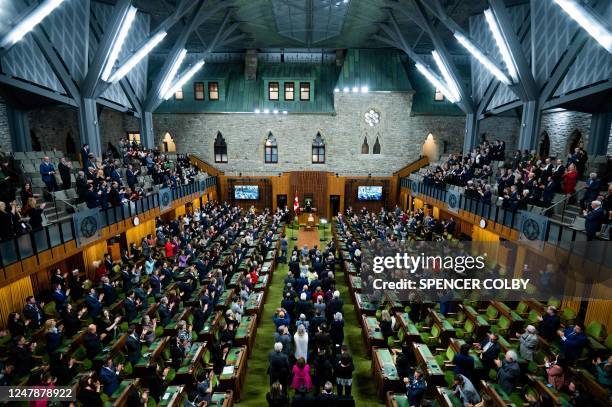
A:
(228, 370)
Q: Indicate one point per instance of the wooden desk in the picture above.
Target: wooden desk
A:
(384, 372)
(428, 364)
(600, 394)
(186, 374)
(516, 321)
(246, 332)
(447, 331)
(235, 280)
(391, 298)
(396, 400)
(354, 284)
(154, 352)
(211, 325)
(262, 283)
(173, 397)
(172, 327)
(481, 326)
(372, 336)
(446, 398)
(115, 347)
(497, 394)
(233, 378)
(225, 299)
(119, 397)
(411, 333)
(255, 305)
(541, 386)
(363, 306)
(222, 399)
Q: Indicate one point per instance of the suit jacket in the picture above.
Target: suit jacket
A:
(279, 365)
(92, 345)
(528, 345)
(45, 169)
(507, 375)
(129, 307)
(164, 315)
(109, 379)
(133, 347)
(94, 306)
(60, 299)
(491, 354)
(593, 221)
(110, 294)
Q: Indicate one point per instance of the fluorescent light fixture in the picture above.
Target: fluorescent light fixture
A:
(275, 111)
(345, 90)
(137, 57)
(28, 23)
(589, 21)
(257, 111)
(118, 44)
(266, 111)
(336, 90)
(364, 89)
(436, 82)
(172, 71)
(183, 79)
(284, 112)
(483, 59)
(450, 82)
(501, 44)
(355, 89)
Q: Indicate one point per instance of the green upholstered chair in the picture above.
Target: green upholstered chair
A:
(533, 316)
(596, 330)
(553, 302)
(568, 316)
(171, 375)
(491, 314)
(503, 325)
(432, 337)
(467, 331)
(522, 308)
(128, 369)
(608, 342)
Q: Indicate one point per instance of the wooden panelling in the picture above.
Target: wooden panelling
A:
(136, 233)
(599, 310)
(312, 184)
(12, 297)
(352, 185)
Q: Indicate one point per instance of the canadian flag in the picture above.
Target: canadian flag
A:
(296, 204)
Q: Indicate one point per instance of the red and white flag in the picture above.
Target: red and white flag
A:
(296, 204)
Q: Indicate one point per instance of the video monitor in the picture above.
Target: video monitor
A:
(246, 192)
(369, 193)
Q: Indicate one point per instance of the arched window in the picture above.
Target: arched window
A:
(220, 149)
(574, 141)
(376, 149)
(365, 147)
(168, 144)
(544, 150)
(271, 150)
(318, 150)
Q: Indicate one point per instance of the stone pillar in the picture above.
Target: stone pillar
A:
(470, 138)
(89, 127)
(530, 125)
(597, 144)
(146, 130)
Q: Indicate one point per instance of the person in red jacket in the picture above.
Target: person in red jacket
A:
(569, 180)
(254, 276)
(169, 249)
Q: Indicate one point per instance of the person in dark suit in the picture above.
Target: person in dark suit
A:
(327, 398)
(20, 355)
(549, 192)
(489, 350)
(155, 283)
(133, 346)
(47, 172)
(278, 368)
(591, 191)
(132, 176)
(594, 219)
(65, 168)
(110, 293)
(109, 376)
(53, 336)
(130, 307)
(573, 342)
(508, 371)
(164, 311)
(549, 324)
(415, 388)
(464, 362)
(33, 313)
(92, 341)
(94, 306)
(85, 155)
(60, 297)
(91, 197)
(177, 352)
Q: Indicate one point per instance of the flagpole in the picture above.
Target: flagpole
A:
(295, 213)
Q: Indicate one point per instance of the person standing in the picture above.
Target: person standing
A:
(65, 167)
(47, 172)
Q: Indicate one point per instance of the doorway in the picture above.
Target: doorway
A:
(168, 145)
(334, 204)
(574, 141)
(544, 150)
(281, 201)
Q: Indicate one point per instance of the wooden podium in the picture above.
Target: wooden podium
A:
(308, 219)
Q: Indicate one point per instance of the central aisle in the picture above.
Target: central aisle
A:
(257, 380)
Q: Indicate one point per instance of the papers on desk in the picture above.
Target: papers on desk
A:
(228, 370)
(166, 396)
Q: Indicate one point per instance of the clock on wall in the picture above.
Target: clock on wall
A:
(372, 117)
(483, 223)
(136, 221)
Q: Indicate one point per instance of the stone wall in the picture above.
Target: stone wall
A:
(400, 134)
(559, 125)
(6, 144)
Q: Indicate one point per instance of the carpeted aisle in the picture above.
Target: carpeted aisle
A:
(257, 381)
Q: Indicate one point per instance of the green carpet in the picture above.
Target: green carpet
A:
(257, 381)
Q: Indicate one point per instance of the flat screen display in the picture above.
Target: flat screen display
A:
(369, 193)
(246, 192)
